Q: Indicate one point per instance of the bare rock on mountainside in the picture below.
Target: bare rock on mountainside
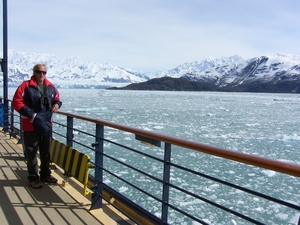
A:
(167, 84)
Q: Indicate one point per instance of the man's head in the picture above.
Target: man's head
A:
(39, 72)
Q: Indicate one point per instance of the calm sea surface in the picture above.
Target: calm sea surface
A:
(259, 124)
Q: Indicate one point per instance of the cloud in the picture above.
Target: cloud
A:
(154, 35)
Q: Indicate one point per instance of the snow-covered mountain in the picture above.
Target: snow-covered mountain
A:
(235, 71)
(70, 71)
(226, 72)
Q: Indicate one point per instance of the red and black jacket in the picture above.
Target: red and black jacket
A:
(28, 100)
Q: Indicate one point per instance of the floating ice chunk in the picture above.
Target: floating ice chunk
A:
(286, 160)
(86, 109)
(123, 189)
(107, 181)
(256, 199)
(282, 216)
(268, 173)
(234, 222)
(240, 202)
(293, 137)
(259, 209)
(146, 128)
(184, 203)
(252, 124)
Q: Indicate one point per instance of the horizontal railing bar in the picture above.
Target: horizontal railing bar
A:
(83, 145)
(75, 129)
(83, 132)
(58, 134)
(212, 203)
(60, 124)
(135, 169)
(134, 186)
(288, 204)
(134, 150)
(287, 168)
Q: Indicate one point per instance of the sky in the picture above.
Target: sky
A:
(154, 35)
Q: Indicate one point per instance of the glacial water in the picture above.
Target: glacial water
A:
(261, 124)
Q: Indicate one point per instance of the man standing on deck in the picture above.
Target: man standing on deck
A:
(36, 100)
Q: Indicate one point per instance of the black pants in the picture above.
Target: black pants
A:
(34, 141)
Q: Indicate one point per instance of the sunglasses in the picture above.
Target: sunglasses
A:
(40, 72)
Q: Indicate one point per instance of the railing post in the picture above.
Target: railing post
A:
(6, 112)
(1, 113)
(21, 141)
(97, 196)
(12, 127)
(4, 66)
(166, 187)
(70, 134)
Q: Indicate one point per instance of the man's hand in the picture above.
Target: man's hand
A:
(55, 107)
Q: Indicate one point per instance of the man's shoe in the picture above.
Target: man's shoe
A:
(49, 179)
(35, 184)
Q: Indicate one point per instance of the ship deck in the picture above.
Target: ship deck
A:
(52, 204)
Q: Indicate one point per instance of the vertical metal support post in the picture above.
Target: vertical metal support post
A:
(166, 181)
(4, 68)
(1, 111)
(12, 127)
(22, 137)
(70, 134)
(99, 145)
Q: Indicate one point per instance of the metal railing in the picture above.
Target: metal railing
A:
(149, 177)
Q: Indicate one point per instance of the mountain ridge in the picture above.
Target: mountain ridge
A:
(226, 73)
